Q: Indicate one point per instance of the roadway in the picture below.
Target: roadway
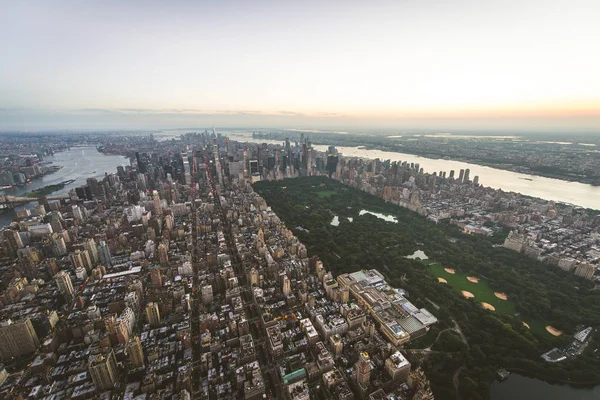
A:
(268, 366)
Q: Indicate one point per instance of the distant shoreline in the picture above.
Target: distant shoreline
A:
(523, 169)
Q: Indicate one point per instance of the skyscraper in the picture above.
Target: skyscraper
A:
(141, 164)
(17, 338)
(288, 152)
(153, 314)
(207, 294)
(461, 176)
(94, 187)
(92, 249)
(78, 213)
(397, 366)
(14, 240)
(254, 167)
(104, 254)
(254, 277)
(63, 281)
(466, 178)
(363, 370)
(59, 247)
(135, 352)
(81, 259)
(103, 369)
(585, 270)
(157, 208)
(163, 254)
(304, 155)
(287, 289)
(156, 276)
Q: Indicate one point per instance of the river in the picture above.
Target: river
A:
(580, 194)
(78, 163)
(518, 387)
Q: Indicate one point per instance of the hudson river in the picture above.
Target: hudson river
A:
(580, 194)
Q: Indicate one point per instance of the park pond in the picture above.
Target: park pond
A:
(518, 387)
(389, 218)
(419, 254)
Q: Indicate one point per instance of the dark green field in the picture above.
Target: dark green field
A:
(496, 339)
(323, 194)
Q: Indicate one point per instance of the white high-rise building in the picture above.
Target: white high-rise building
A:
(157, 207)
(90, 246)
(287, 288)
(134, 213)
(79, 213)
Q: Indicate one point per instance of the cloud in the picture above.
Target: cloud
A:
(331, 114)
(180, 111)
(20, 119)
(93, 111)
(291, 113)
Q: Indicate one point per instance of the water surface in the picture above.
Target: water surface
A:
(580, 194)
(518, 387)
(388, 218)
(418, 254)
(78, 163)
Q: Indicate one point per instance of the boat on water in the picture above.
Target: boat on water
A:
(526, 179)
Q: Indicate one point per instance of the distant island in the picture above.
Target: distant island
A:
(46, 190)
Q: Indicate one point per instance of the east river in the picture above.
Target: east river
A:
(580, 194)
(78, 163)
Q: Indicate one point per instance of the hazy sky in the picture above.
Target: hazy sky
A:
(530, 64)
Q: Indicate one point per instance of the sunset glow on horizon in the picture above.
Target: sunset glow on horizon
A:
(389, 60)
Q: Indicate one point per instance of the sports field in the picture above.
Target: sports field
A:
(480, 290)
(482, 293)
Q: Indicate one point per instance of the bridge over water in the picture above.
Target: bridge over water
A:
(13, 201)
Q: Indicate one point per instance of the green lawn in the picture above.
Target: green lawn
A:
(536, 326)
(481, 290)
(323, 194)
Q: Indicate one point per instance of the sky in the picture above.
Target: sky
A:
(401, 64)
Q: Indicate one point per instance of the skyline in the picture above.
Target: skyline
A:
(388, 65)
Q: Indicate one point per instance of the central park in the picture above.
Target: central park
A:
(502, 301)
